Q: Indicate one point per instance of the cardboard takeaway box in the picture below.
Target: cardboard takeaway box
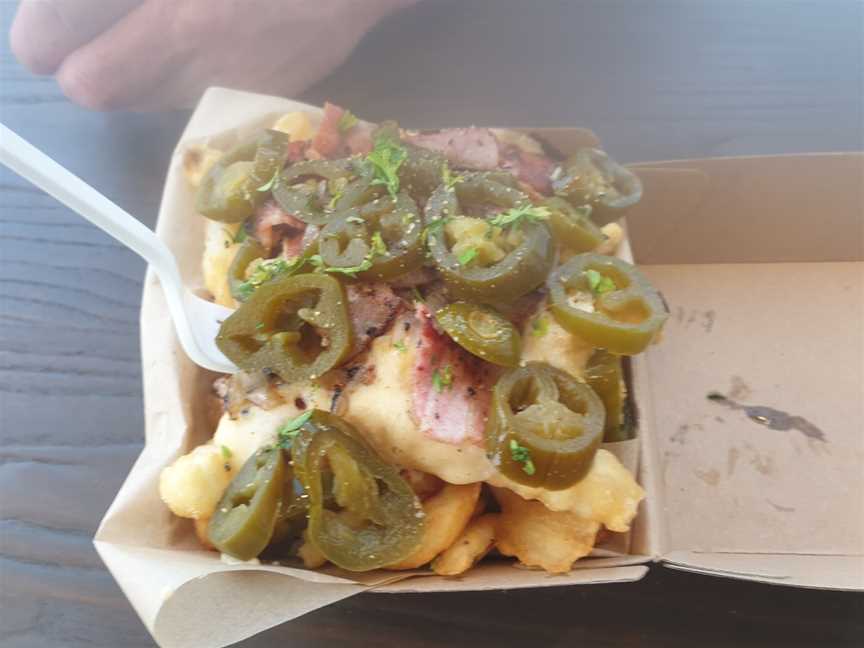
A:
(760, 261)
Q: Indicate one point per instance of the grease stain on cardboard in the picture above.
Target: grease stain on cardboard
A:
(710, 477)
(772, 418)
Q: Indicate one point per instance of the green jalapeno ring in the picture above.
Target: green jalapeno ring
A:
(625, 320)
(572, 227)
(520, 271)
(382, 239)
(283, 325)
(381, 520)
(249, 251)
(229, 191)
(591, 177)
(245, 517)
(304, 202)
(482, 331)
(544, 419)
(605, 376)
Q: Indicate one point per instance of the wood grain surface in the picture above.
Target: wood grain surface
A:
(656, 80)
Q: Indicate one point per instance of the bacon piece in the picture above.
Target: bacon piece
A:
(271, 223)
(470, 148)
(371, 308)
(452, 409)
(328, 139)
(530, 168)
(358, 138)
(331, 142)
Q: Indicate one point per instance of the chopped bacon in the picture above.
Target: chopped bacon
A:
(332, 142)
(328, 139)
(271, 223)
(371, 308)
(358, 138)
(470, 148)
(297, 151)
(453, 408)
(530, 168)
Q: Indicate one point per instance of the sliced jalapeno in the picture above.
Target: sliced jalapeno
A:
(603, 374)
(571, 226)
(544, 426)
(482, 331)
(517, 272)
(375, 519)
(591, 177)
(310, 190)
(607, 302)
(296, 326)
(246, 515)
(381, 239)
(231, 190)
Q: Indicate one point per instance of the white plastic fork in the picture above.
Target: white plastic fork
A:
(196, 320)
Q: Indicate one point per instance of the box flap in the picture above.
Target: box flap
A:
(502, 575)
(822, 572)
(751, 209)
(754, 398)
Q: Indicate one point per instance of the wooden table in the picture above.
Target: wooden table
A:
(655, 80)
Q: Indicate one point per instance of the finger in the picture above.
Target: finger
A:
(45, 32)
(126, 64)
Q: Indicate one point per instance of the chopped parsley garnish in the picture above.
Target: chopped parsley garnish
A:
(400, 346)
(521, 454)
(350, 271)
(226, 452)
(287, 432)
(272, 182)
(540, 326)
(266, 271)
(378, 248)
(599, 283)
(385, 160)
(347, 121)
(241, 235)
(442, 379)
(418, 296)
(448, 177)
(515, 216)
(467, 256)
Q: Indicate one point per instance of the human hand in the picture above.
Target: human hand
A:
(158, 54)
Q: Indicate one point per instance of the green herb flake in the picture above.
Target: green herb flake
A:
(467, 256)
(271, 184)
(521, 454)
(599, 283)
(287, 432)
(347, 121)
(400, 346)
(226, 452)
(241, 235)
(442, 379)
(259, 326)
(516, 216)
(379, 247)
(266, 271)
(448, 177)
(385, 160)
(540, 326)
(418, 296)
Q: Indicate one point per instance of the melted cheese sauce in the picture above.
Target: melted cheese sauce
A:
(548, 342)
(382, 411)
